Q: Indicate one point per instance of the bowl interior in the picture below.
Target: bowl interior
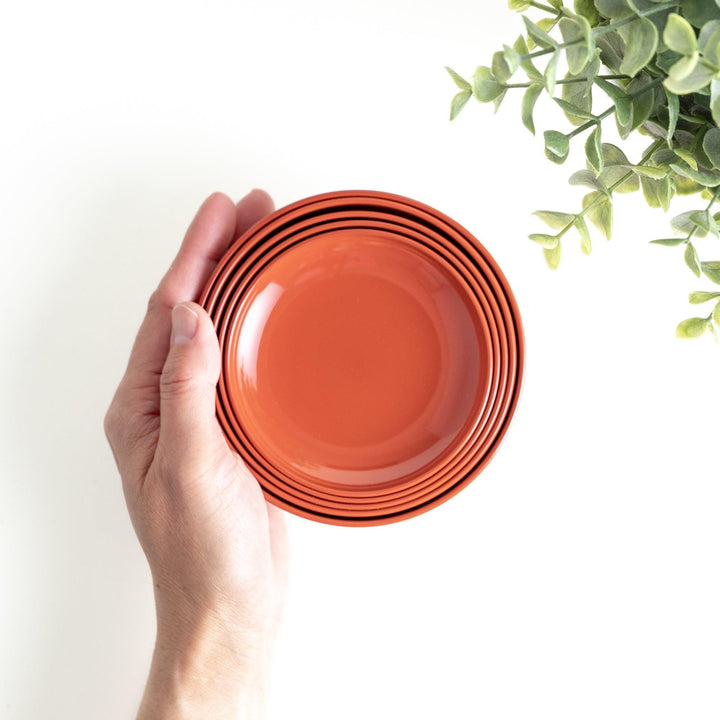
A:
(357, 359)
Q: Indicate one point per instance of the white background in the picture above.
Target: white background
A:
(576, 578)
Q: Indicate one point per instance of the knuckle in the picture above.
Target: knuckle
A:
(155, 301)
(176, 383)
(161, 299)
(111, 422)
(125, 428)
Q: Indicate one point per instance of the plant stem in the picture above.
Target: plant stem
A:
(599, 118)
(695, 228)
(598, 31)
(586, 126)
(648, 154)
(547, 8)
(566, 81)
(630, 18)
(714, 198)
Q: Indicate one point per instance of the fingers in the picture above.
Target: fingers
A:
(253, 207)
(190, 436)
(213, 229)
(206, 239)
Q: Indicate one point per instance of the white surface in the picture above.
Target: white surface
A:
(576, 578)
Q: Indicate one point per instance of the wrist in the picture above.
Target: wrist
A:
(205, 667)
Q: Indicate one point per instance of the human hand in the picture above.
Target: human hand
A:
(216, 549)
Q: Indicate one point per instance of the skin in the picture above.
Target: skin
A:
(217, 550)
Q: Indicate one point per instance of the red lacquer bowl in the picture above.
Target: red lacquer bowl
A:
(372, 356)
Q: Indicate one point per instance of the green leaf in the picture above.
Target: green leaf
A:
(696, 80)
(673, 103)
(687, 156)
(556, 220)
(703, 219)
(716, 314)
(709, 41)
(683, 223)
(519, 5)
(500, 68)
(696, 298)
(459, 102)
(557, 146)
(512, 58)
(593, 150)
(679, 35)
(498, 100)
(641, 40)
(546, 24)
(617, 169)
(715, 100)
(591, 71)
(628, 181)
(587, 9)
(668, 242)
(701, 177)
(623, 104)
(658, 193)
(612, 49)
(663, 156)
(528, 104)
(613, 8)
(574, 110)
(577, 34)
(459, 81)
(547, 241)
(588, 179)
(650, 171)
(692, 119)
(711, 146)
(666, 59)
(577, 95)
(521, 48)
(684, 66)
(685, 186)
(598, 208)
(711, 271)
(692, 328)
(538, 35)
(653, 128)
(642, 94)
(613, 155)
(698, 12)
(551, 73)
(484, 85)
(691, 259)
(552, 256)
(585, 241)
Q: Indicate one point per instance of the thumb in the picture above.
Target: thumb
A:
(189, 431)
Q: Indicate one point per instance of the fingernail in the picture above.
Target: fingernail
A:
(184, 324)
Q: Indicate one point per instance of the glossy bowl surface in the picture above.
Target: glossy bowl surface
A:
(487, 313)
(357, 359)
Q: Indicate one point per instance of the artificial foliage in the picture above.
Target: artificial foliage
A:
(652, 67)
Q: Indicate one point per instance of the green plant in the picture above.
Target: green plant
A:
(657, 64)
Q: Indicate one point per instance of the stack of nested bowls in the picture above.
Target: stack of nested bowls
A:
(372, 356)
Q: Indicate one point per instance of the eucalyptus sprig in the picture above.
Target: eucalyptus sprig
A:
(656, 64)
